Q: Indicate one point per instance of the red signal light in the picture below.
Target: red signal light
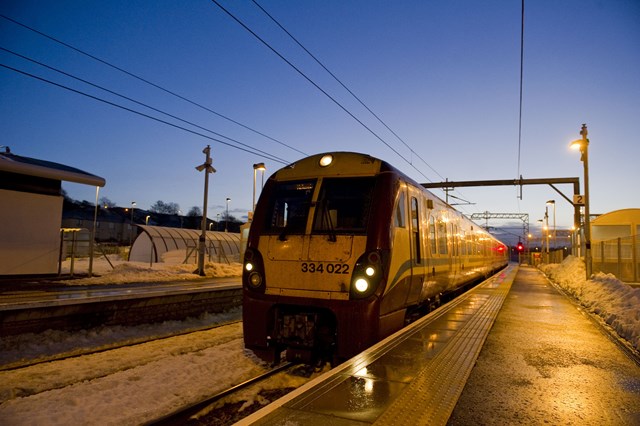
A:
(520, 246)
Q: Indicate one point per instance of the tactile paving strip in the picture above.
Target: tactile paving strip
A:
(431, 396)
(416, 377)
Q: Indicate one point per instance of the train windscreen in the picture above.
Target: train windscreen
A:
(289, 207)
(343, 206)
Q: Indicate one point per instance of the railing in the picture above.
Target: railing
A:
(620, 257)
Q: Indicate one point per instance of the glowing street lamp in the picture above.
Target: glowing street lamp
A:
(226, 221)
(546, 229)
(553, 203)
(583, 145)
(262, 168)
(133, 204)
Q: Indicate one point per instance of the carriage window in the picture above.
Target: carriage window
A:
(289, 207)
(432, 234)
(415, 228)
(454, 239)
(343, 205)
(399, 215)
(442, 237)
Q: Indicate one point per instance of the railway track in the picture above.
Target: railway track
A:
(107, 347)
(206, 411)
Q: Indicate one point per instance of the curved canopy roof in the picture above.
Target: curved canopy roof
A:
(154, 242)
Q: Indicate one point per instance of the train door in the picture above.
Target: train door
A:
(417, 249)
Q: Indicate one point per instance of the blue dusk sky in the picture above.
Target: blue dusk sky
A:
(443, 75)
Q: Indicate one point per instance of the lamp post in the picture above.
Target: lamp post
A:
(226, 221)
(262, 168)
(93, 233)
(583, 145)
(553, 203)
(133, 204)
(207, 168)
(217, 221)
(546, 229)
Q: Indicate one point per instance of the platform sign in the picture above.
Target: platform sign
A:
(578, 200)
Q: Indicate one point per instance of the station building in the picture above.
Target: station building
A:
(31, 212)
(615, 242)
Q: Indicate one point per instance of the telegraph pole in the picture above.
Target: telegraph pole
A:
(207, 168)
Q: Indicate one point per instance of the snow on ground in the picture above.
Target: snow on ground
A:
(124, 272)
(617, 303)
(136, 384)
(129, 385)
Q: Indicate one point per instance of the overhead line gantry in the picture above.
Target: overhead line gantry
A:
(447, 186)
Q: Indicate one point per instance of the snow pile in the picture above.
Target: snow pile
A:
(51, 344)
(136, 272)
(616, 302)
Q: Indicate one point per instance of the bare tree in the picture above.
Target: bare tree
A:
(195, 211)
(164, 208)
(105, 202)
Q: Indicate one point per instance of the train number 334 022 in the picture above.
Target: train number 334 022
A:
(329, 268)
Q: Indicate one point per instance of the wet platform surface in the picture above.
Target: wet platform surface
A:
(25, 295)
(547, 362)
(412, 377)
(512, 351)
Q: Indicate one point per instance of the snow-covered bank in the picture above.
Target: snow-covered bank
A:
(124, 272)
(616, 302)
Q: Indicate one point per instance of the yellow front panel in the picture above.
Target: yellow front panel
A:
(323, 269)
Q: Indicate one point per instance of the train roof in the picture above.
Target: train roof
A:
(338, 163)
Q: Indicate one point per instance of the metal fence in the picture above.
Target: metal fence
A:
(620, 257)
(553, 256)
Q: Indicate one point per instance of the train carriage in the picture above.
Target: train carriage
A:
(344, 250)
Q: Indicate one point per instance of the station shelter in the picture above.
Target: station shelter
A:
(177, 245)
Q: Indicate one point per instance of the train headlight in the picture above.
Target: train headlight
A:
(367, 275)
(253, 277)
(362, 285)
(326, 160)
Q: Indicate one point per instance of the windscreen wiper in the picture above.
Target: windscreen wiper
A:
(327, 216)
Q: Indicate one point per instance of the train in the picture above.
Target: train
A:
(344, 250)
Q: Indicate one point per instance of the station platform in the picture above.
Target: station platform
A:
(33, 307)
(511, 351)
(35, 294)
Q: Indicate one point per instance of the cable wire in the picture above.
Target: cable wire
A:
(133, 111)
(521, 84)
(344, 86)
(150, 83)
(310, 80)
(140, 103)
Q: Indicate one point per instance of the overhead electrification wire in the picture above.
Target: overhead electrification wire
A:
(141, 104)
(151, 83)
(345, 87)
(310, 80)
(521, 84)
(134, 111)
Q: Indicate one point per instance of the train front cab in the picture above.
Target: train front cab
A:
(319, 272)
